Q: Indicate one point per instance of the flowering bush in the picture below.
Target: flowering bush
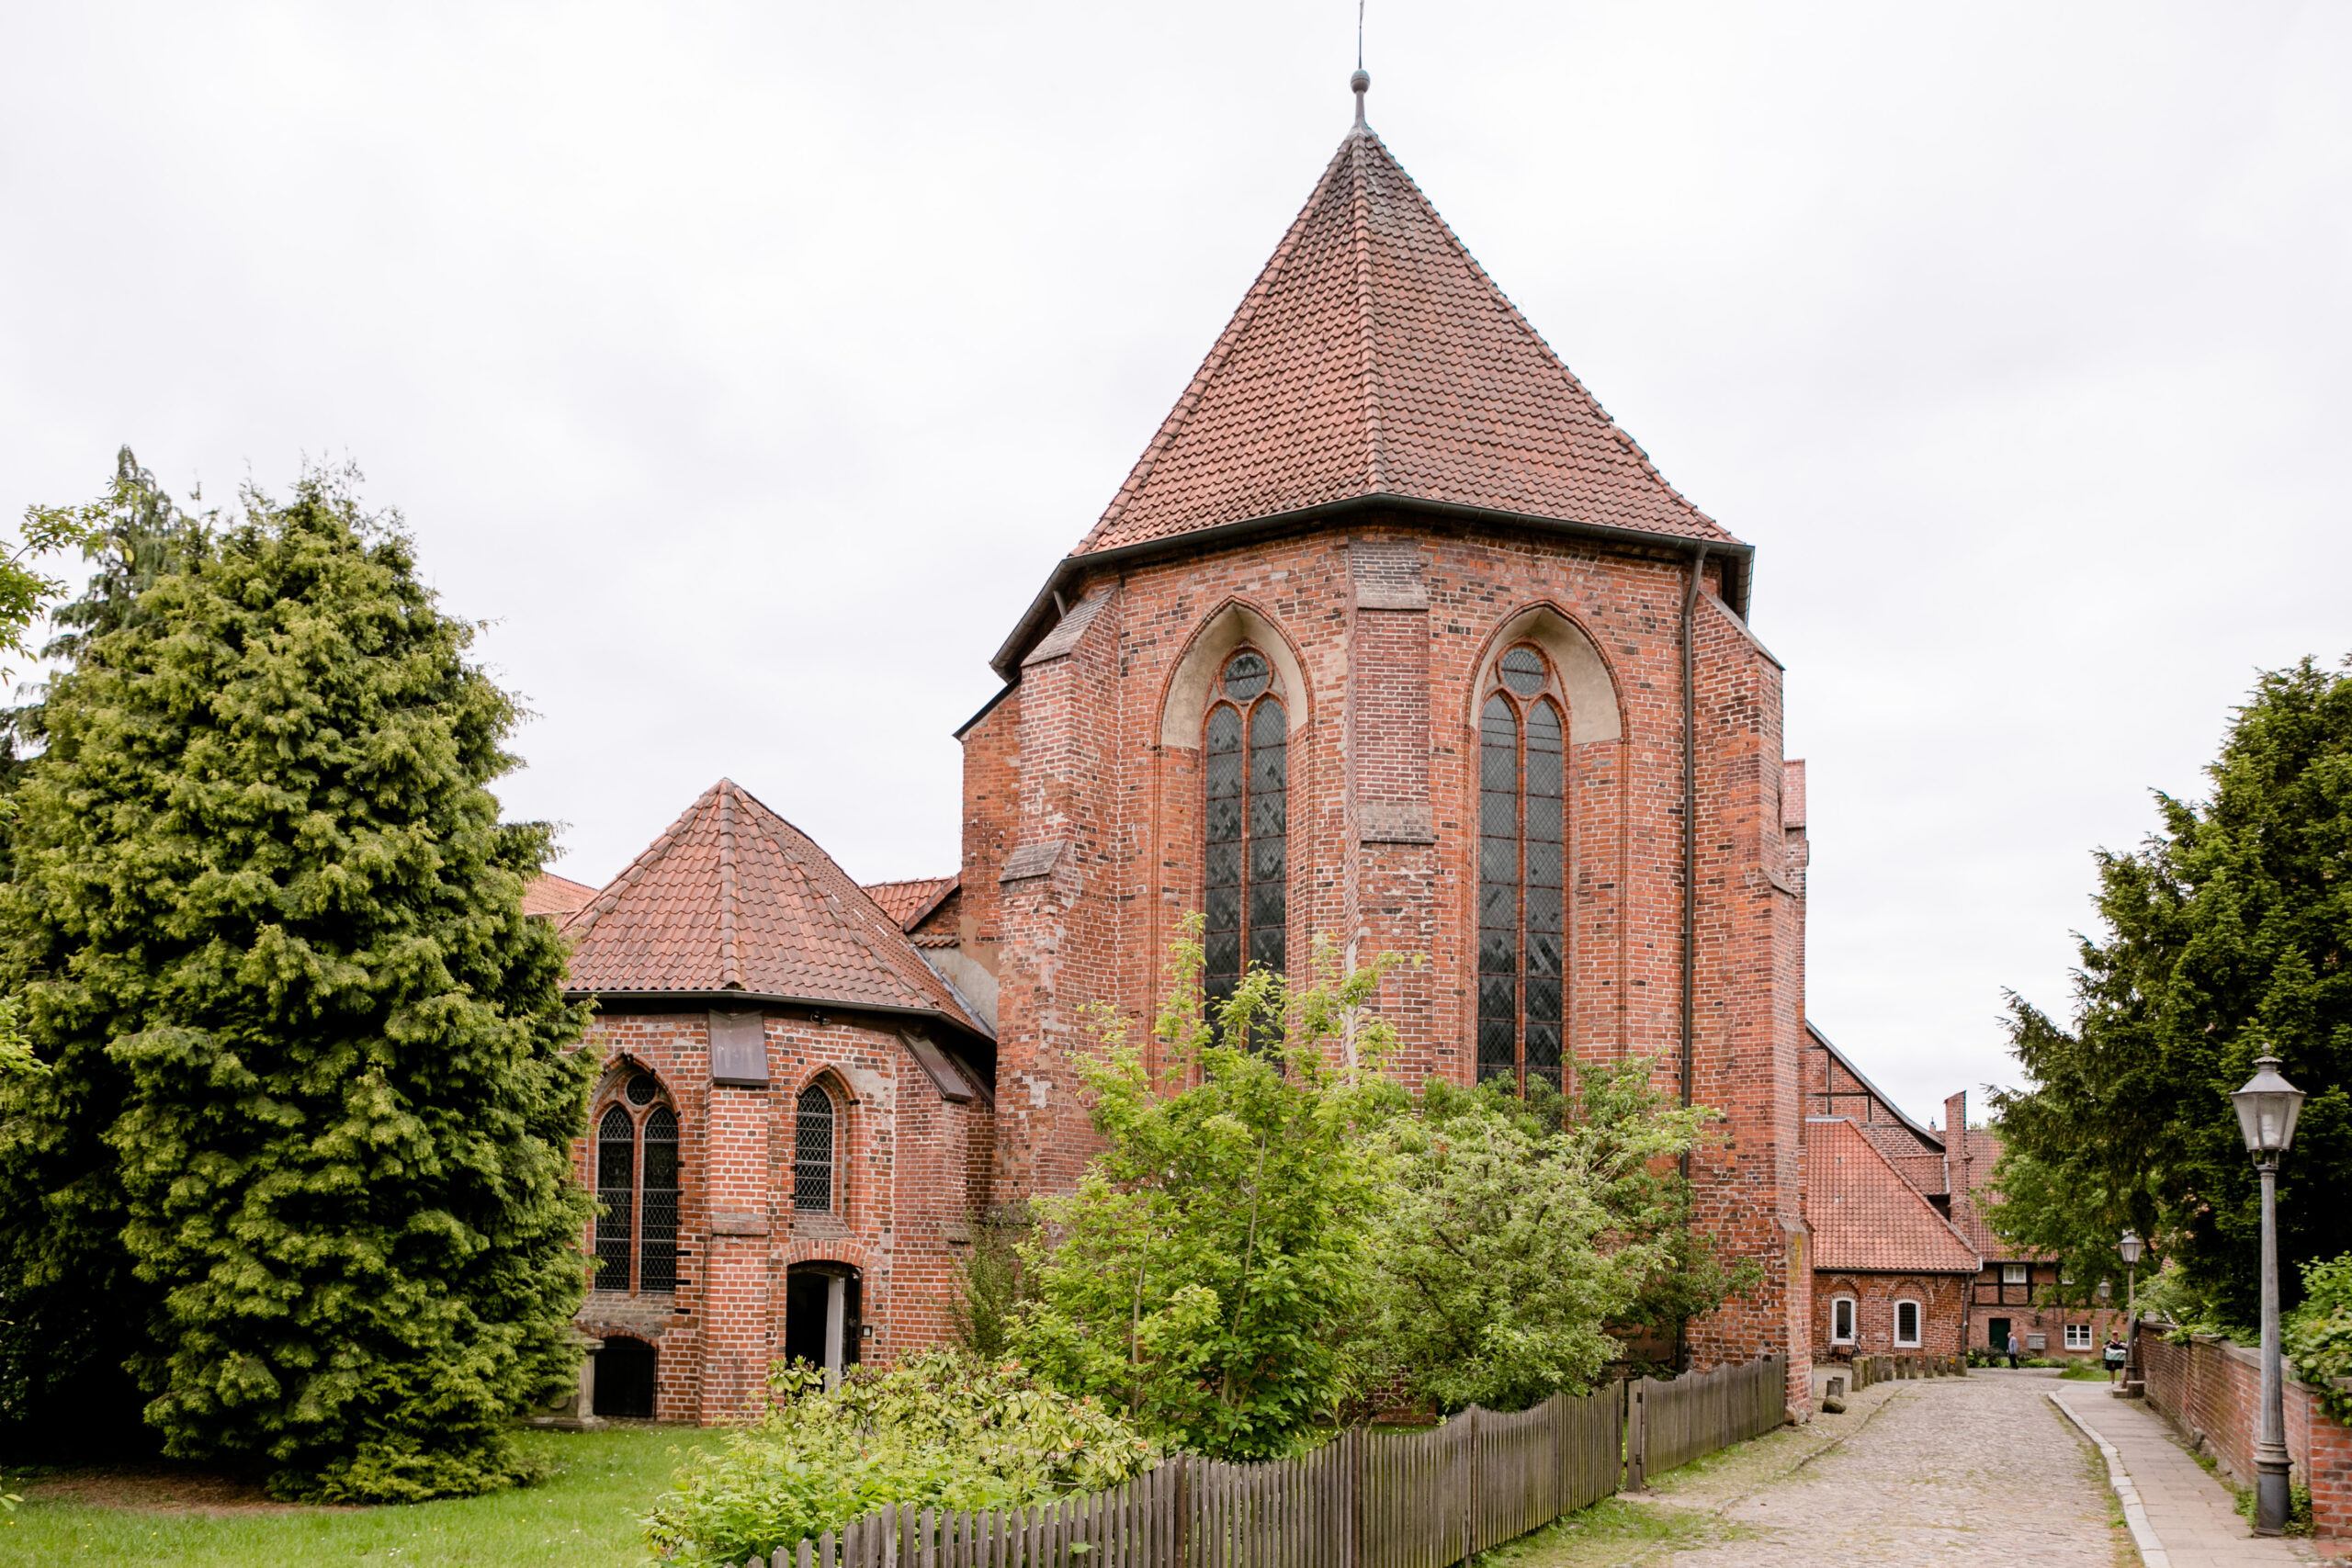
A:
(940, 1429)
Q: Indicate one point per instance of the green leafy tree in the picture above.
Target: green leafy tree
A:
(2225, 936)
(300, 1150)
(1212, 1269)
(2074, 1216)
(1516, 1239)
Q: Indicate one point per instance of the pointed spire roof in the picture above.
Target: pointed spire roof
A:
(735, 900)
(1375, 357)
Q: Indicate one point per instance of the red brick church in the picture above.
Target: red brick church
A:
(1392, 634)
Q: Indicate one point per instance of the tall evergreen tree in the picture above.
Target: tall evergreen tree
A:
(2228, 934)
(301, 1155)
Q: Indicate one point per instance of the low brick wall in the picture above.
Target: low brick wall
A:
(2211, 1390)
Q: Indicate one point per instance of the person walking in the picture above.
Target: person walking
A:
(2017, 1349)
(2114, 1357)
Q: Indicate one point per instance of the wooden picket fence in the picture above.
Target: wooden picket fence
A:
(1678, 1420)
(1370, 1498)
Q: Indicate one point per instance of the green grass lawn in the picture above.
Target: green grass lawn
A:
(583, 1516)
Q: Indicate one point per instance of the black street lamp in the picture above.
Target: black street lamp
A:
(2130, 1247)
(2266, 1108)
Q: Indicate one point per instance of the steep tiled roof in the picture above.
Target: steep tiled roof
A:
(1968, 1209)
(908, 902)
(552, 895)
(1864, 1215)
(1373, 357)
(735, 899)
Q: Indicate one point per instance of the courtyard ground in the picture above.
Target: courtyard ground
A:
(1979, 1469)
(583, 1516)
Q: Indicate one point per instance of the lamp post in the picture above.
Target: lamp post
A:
(2267, 1108)
(2129, 1246)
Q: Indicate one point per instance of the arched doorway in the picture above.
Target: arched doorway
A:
(822, 1308)
(624, 1377)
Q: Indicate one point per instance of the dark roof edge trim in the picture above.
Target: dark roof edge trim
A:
(1864, 1079)
(1043, 611)
(766, 998)
(1011, 685)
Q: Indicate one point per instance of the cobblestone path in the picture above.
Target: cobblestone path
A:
(1977, 1469)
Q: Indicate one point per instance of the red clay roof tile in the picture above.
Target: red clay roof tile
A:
(1864, 1215)
(552, 895)
(1373, 357)
(908, 902)
(735, 899)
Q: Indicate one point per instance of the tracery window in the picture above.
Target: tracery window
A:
(812, 1151)
(1522, 866)
(1245, 779)
(637, 1183)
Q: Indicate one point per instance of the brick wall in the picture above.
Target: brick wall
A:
(1943, 1300)
(911, 1167)
(2211, 1390)
(1387, 660)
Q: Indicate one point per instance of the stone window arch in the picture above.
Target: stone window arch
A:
(1245, 816)
(1522, 871)
(637, 1184)
(1193, 685)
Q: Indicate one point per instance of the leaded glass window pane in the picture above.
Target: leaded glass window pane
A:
(1523, 670)
(812, 1151)
(657, 1266)
(1246, 824)
(1498, 889)
(1246, 675)
(1523, 867)
(615, 1187)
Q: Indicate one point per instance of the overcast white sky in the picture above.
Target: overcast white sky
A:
(750, 366)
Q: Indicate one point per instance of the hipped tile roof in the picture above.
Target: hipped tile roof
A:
(908, 902)
(1864, 1215)
(549, 894)
(735, 899)
(1373, 357)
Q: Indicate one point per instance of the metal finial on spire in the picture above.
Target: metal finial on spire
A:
(1362, 80)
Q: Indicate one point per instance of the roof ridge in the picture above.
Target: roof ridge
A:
(595, 909)
(1259, 290)
(1367, 317)
(730, 955)
(832, 900)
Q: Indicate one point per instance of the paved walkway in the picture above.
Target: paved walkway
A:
(1982, 1470)
(2193, 1518)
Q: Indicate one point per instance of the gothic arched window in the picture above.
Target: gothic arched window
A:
(812, 1151)
(657, 1267)
(1522, 863)
(637, 1182)
(1244, 765)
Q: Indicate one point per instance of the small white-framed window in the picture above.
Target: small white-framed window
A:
(2014, 1273)
(1841, 1320)
(1906, 1324)
(2079, 1336)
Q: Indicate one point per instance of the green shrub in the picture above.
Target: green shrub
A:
(2317, 1336)
(940, 1429)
